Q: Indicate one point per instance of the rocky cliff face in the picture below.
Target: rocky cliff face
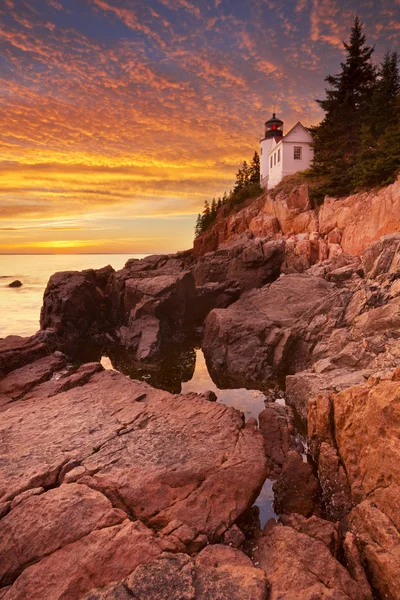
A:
(111, 489)
(347, 225)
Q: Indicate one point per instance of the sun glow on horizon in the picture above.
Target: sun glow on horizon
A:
(123, 118)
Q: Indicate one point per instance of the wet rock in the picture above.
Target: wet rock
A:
(296, 489)
(15, 284)
(299, 566)
(336, 492)
(177, 576)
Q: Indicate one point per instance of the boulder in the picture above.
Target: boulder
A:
(296, 489)
(325, 531)
(110, 451)
(276, 424)
(15, 284)
(298, 566)
(272, 331)
(157, 309)
(378, 541)
(16, 351)
(20, 381)
(246, 263)
(178, 576)
(383, 256)
(75, 304)
(106, 554)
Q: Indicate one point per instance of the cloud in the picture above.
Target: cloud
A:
(146, 109)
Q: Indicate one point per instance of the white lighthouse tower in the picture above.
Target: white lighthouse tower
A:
(283, 155)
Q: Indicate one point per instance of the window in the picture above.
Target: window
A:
(271, 162)
(274, 158)
(297, 152)
(279, 155)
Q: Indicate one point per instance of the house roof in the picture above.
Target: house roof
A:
(279, 140)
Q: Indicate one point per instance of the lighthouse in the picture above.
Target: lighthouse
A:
(282, 155)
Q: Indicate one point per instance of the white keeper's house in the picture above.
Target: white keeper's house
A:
(282, 155)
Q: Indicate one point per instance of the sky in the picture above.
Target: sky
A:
(119, 118)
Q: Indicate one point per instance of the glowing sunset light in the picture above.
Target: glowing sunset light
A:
(120, 118)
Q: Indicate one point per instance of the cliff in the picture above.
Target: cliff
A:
(340, 225)
(112, 489)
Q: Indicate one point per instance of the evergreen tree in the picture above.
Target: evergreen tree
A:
(374, 163)
(254, 177)
(213, 208)
(198, 227)
(246, 174)
(337, 137)
(206, 216)
(239, 183)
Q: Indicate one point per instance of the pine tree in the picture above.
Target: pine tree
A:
(239, 183)
(254, 177)
(374, 163)
(337, 137)
(198, 226)
(246, 174)
(213, 208)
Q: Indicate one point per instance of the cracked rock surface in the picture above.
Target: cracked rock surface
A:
(104, 476)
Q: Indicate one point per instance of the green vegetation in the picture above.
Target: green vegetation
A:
(357, 144)
(247, 185)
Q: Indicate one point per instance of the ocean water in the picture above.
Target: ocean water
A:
(20, 313)
(20, 307)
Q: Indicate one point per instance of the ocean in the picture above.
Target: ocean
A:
(20, 314)
(20, 307)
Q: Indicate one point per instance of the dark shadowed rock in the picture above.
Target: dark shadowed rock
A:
(277, 427)
(75, 304)
(158, 310)
(272, 330)
(296, 489)
(247, 263)
(15, 284)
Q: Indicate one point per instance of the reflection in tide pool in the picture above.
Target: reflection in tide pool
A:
(250, 402)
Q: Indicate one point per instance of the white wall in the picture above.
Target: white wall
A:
(275, 172)
(265, 146)
(290, 165)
